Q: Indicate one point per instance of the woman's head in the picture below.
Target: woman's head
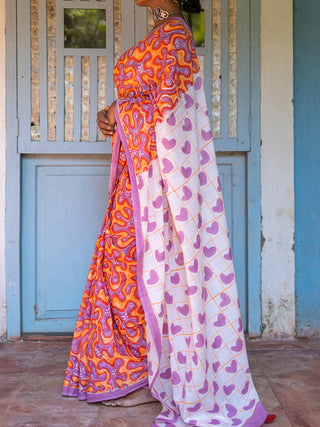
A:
(192, 6)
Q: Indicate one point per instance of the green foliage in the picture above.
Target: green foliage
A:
(84, 28)
(196, 22)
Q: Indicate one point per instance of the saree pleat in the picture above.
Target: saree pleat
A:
(161, 299)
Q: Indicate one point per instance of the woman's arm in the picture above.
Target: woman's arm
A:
(106, 120)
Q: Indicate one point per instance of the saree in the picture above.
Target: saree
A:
(161, 304)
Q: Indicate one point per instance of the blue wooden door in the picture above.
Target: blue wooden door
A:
(64, 78)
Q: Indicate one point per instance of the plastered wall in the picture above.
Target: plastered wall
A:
(277, 170)
(2, 172)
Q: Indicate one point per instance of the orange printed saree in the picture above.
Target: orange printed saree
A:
(161, 300)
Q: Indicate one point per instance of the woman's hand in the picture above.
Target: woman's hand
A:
(106, 120)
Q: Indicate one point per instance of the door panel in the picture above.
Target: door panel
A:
(63, 205)
(61, 87)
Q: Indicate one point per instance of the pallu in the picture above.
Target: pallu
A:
(176, 284)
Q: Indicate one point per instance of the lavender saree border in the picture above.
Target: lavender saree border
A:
(151, 318)
(258, 417)
(102, 397)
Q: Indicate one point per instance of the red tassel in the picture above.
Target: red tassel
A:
(270, 418)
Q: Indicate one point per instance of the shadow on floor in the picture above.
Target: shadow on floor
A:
(286, 374)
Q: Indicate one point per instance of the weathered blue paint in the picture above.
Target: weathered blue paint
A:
(63, 204)
(307, 163)
(12, 181)
(253, 177)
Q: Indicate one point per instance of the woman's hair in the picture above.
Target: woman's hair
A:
(191, 6)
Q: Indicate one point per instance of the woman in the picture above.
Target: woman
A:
(160, 317)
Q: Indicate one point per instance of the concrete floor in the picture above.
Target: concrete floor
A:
(286, 374)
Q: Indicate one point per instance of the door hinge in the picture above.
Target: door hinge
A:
(17, 126)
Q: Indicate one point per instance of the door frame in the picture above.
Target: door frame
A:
(13, 179)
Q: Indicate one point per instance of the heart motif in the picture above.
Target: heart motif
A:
(205, 388)
(217, 342)
(163, 394)
(199, 221)
(236, 421)
(194, 267)
(186, 172)
(204, 294)
(215, 387)
(165, 329)
(240, 325)
(140, 182)
(157, 202)
(168, 298)
(197, 243)
(228, 389)
(198, 83)
(214, 228)
(175, 329)
(147, 246)
(181, 236)
(175, 278)
(238, 347)
(219, 184)
(215, 366)
(189, 100)
(160, 256)
(188, 376)
(145, 214)
(176, 378)
(207, 273)
(209, 251)
(221, 321)
(169, 143)
(167, 166)
(202, 318)
(205, 158)
(153, 278)
(191, 290)
(187, 126)
(161, 313)
(232, 368)
(228, 255)
(225, 300)
(166, 216)
(166, 268)
(166, 374)
(151, 226)
(187, 193)
(227, 279)
(150, 171)
(203, 178)
(184, 309)
(195, 358)
(218, 207)
(172, 120)
(215, 409)
(250, 406)
(194, 408)
(188, 341)
(206, 135)
(200, 341)
(186, 149)
(245, 388)
(169, 245)
(231, 410)
(183, 215)
(179, 260)
(181, 358)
